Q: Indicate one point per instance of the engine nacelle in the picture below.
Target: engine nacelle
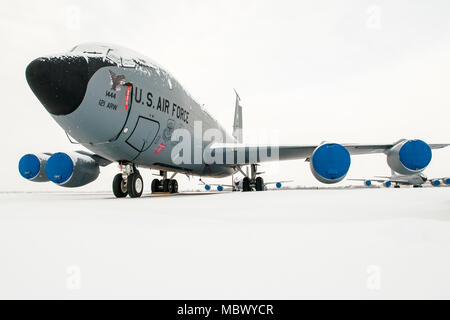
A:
(435, 183)
(367, 183)
(72, 170)
(446, 180)
(32, 167)
(387, 184)
(409, 156)
(330, 163)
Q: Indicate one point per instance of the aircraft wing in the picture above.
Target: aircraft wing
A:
(382, 180)
(282, 181)
(378, 180)
(356, 149)
(240, 154)
(217, 184)
(439, 145)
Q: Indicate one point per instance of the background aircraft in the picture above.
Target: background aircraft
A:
(415, 180)
(125, 108)
(239, 186)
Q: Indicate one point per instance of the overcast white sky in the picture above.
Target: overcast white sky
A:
(343, 71)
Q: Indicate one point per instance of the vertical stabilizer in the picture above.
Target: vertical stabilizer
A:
(237, 125)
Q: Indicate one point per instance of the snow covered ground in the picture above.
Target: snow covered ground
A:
(363, 243)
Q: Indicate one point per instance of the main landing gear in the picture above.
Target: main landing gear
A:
(129, 182)
(165, 184)
(252, 182)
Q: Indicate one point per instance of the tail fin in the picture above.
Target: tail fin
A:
(237, 125)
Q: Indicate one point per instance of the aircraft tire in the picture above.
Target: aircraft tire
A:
(167, 186)
(259, 184)
(156, 184)
(174, 186)
(135, 185)
(118, 186)
(246, 184)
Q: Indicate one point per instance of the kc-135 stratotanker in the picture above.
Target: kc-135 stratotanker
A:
(127, 109)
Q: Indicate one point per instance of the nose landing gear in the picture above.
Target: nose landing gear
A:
(135, 185)
(120, 186)
(129, 182)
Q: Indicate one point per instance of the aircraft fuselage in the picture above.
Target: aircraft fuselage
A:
(129, 110)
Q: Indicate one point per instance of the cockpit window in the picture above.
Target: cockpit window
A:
(122, 57)
(91, 49)
(93, 52)
(128, 63)
(115, 58)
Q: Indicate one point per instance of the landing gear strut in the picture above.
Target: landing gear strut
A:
(129, 182)
(165, 184)
(252, 182)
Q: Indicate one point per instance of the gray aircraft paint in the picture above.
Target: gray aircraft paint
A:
(136, 133)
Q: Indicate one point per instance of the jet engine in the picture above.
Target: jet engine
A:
(409, 156)
(72, 170)
(446, 180)
(32, 167)
(435, 183)
(330, 163)
(387, 184)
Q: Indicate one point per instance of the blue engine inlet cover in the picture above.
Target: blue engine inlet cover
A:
(436, 183)
(29, 166)
(415, 155)
(331, 161)
(59, 168)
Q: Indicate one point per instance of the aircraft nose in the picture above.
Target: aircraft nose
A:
(59, 83)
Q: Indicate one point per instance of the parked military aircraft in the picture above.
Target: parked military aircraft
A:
(238, 185)
(127, 109)
(415, 180)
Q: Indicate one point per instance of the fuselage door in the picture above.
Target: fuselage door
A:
(143, 134)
